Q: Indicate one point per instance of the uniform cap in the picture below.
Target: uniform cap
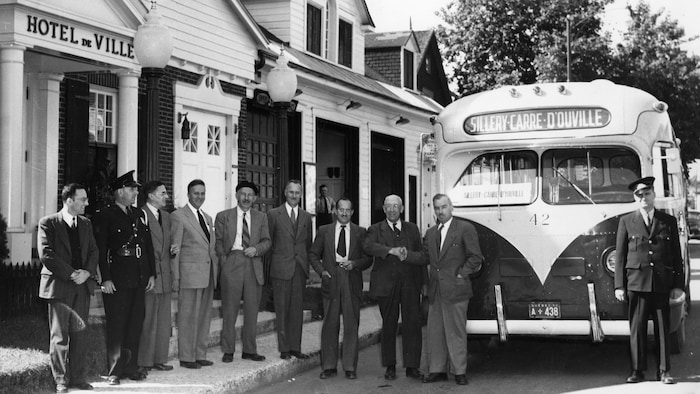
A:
(642, 184)
(126, 180)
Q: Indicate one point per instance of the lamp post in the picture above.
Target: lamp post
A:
(153, 45)
(282, 85)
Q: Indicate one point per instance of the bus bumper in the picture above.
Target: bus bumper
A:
(549, 327)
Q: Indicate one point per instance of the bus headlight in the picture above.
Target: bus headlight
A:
(609, 260)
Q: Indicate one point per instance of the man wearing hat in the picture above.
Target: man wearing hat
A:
(127, 269)
(649, 269)
(242, 237)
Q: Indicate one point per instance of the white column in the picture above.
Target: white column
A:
(12, 148)
(45, 146)
(128, 121)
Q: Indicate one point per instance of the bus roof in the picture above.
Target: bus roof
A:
(573, 109)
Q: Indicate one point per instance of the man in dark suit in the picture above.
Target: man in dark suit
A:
(397, 286)
(127, 268)
(291, 234)
(649, 268)
(155, 336)
(195, 271)
(68, 253)
(325, 207)
(337, 257)
(242, 238)
(452, 248)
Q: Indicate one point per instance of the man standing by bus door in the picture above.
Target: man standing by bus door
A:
(648, 269)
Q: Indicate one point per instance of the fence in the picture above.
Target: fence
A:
(19, 290)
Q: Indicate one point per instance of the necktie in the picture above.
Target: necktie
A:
(203, 224)
(325, 205)
(439, 236)
(160, 221)
(75, 222)
(293, 217)
(341, 242)
(245, 237)
(397, 231)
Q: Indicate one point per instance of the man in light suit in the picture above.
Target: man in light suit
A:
(649, 269)
(194, 269)
(325, 207)
(242, 237)
(155, 335)
(452, 248)
(291, 234)
(68, 253)
(397, 286)
(337, 257)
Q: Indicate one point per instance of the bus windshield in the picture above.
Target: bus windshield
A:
(588, 175)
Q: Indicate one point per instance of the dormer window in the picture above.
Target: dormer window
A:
(314, 27)
(345, 43)
(408, 73)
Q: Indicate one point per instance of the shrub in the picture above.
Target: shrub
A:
(4, 252)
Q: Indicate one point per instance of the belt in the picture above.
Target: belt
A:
(127, 252)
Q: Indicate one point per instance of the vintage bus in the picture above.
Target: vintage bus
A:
(542, 172)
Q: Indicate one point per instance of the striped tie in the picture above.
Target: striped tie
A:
(245, 238)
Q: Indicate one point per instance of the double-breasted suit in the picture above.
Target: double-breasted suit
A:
(68, 302)
(155, 335)
(649, 265)
(341, 293)
(449, 289)
(195, 268)
(242, 277)
(397, 286)
(289, 268)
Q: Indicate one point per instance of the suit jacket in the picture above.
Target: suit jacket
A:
(648, 260)
(378, 242)
(289, 247)
(56, 256)
(160, 235)
(259, 237)
(460, 254)
(322, 258)
(197, 257)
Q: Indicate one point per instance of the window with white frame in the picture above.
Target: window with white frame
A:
(408, 74)
(345, 43)
(314, 29)
(102, 127)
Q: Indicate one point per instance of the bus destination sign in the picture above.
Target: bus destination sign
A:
(537, 120)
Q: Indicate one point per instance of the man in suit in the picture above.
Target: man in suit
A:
(195, 270)
(452, 249)
(242, 237)
(127, 268)
(325, 207)
(155, 335)
(68, 253)
(397, 286)
(291, 235)
(337, 257)
(649, 269)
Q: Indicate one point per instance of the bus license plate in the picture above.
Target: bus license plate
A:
(545, 310)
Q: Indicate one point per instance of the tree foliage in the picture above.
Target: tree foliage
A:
(490, 43)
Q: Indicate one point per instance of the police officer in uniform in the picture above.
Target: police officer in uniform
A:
(127, 270)
(649, 269)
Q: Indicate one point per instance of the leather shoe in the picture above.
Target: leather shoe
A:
(253, 357)
(81, 386)
(134, 376)
(162, 367)
(190, 364)
(205, 363)
(665, 378)
(636, 377)
(390, 373)
(299, 355)
(113, 380)
(414, 373)
(461, 380)
(227, 358)
(61, 388)
(285, 356)
(351, 374)
(328, 373)
(434, 377)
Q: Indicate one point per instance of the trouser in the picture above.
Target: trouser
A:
(289, 310)
(348, 305)
(193, 322)
(155, 336)
(405, 299)
(238, 282)
(124, 312)
(641, 305)
(67, 328)
(447, 337)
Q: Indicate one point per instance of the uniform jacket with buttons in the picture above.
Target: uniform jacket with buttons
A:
(648, 260)
(160, 235)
